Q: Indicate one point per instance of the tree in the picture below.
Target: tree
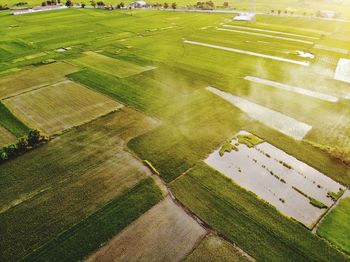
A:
(272, 11)
(100, 4)
(173, 6)
(34, 136)
(3, 156)
(279, 12)
(165, 5)
(82, 5)
(69, 3)
(226, 4)
(93, 3)
(43, 3)
(22, 145)
(10, 150)
(121, 5)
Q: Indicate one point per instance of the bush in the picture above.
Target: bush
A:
(23, 144)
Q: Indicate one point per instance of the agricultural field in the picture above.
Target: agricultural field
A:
(214, 248)
(60, 106)
(6, 137)
(335, 226)
(65, 185)
(175, 135)
(164, 233)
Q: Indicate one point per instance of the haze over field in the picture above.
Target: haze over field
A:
(209, 131)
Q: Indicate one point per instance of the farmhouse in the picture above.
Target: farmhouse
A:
(244, 17)
(138, 4)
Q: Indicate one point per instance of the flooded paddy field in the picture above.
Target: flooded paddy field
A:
(294, 188)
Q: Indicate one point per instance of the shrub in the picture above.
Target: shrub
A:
(23, 144)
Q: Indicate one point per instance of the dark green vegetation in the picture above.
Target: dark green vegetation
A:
(11, 123)
(51, 188)
(23, 144)
(86, 236)
(336, 225)
(335, 195)
(249, 140)
(227, 147)
(252, 224)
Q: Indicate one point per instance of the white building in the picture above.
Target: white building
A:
(138, 4)
(244, 17)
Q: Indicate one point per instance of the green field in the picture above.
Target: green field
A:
(52, 195)
(99, 227)
(49, 189)
(335, 227)
(250, 223)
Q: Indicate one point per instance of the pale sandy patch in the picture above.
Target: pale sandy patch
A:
(276, 120)
(239, 51)
(294, 89)
(342, 73)
(267, 36)
(164, 233)
(332, 49)
(270, 31)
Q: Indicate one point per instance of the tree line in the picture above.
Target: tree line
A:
(23, 144)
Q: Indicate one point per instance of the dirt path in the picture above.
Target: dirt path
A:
(277, 58)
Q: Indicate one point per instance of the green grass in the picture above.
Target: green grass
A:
(86, 236)
(251, 223)
(336, 225)
(11, 123)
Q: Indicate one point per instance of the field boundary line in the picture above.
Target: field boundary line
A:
(325, 214)
(265, 35)
(239, 51)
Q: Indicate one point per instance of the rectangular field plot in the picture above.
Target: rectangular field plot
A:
(298, 90)
(6, 137)
(165, 233)
(294, 188)
(342, 72)
(284, 124)
(110, 65)
(336, 225)
(60, 106)
(34, 77)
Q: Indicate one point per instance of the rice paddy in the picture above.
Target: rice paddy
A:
(111, 66)
(147, 104)
(32, 78)
(164, 233)
(278, 178)
(60, 106)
